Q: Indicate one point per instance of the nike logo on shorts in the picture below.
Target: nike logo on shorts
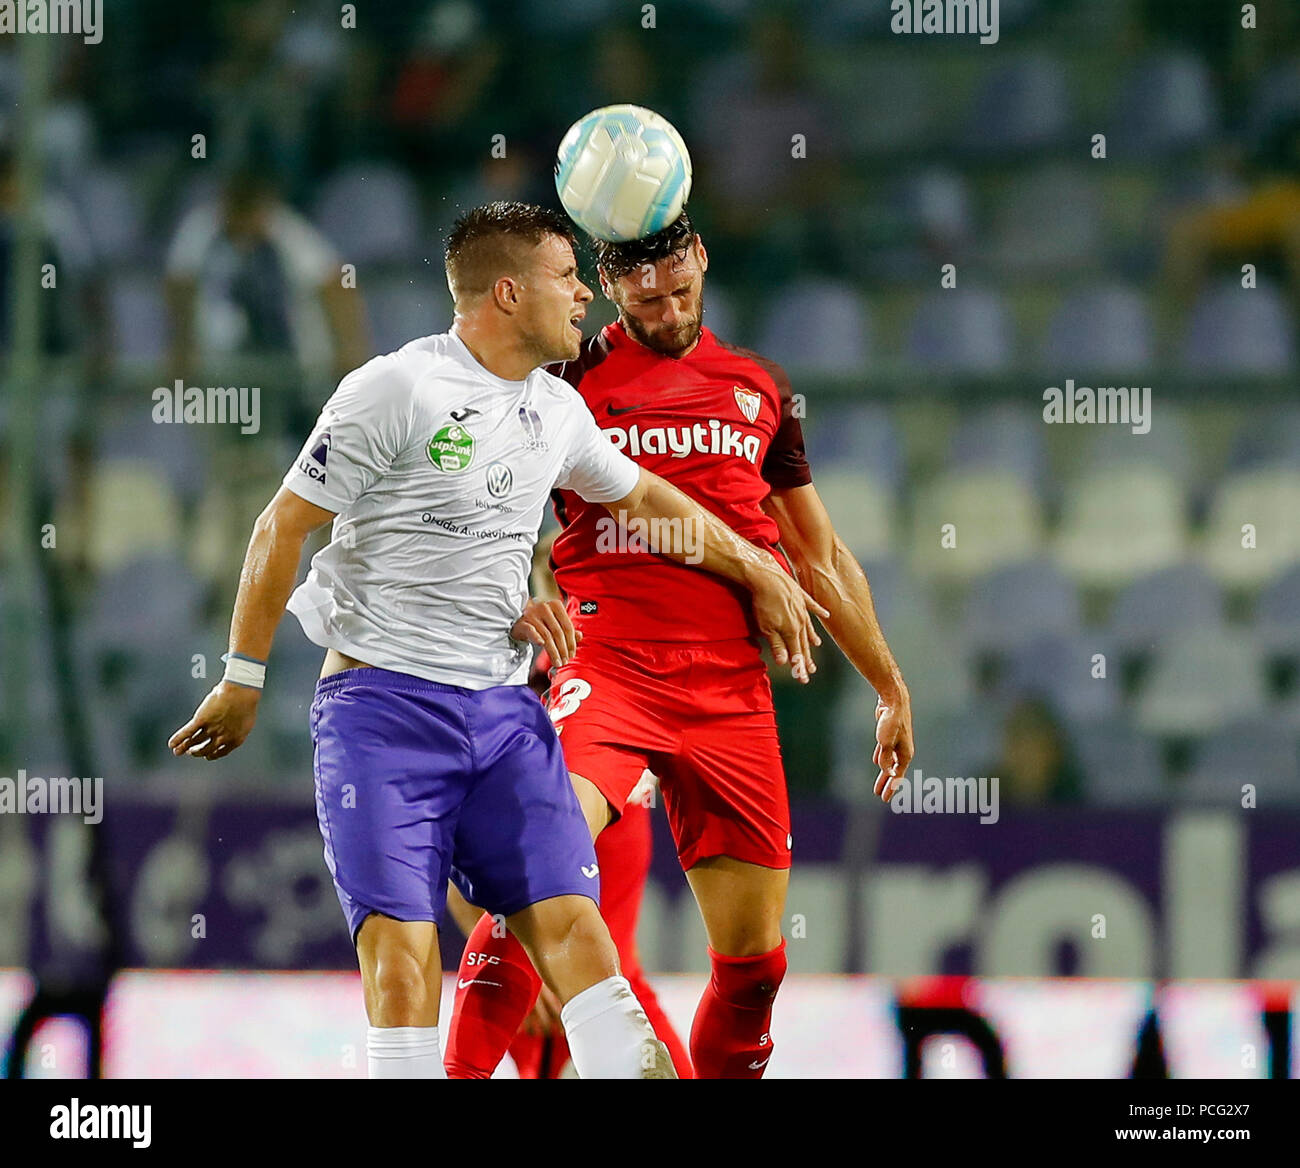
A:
(759, 1066)
(591, 871)
(461, 983)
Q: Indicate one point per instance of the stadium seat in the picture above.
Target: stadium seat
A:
(1262, 753)
(893, 591)
(177, 452)
(401, 310)
(862, 510)
(370, 211)
(995, 519)
(1267, 437)
(860, 438)
(818, 326)
(1018, 603)
(1120, 524)
(1277, 614)
(1049, 222)
(1163, 604)
(962, 330)
(1167, 447)
(1121, 766)
(961, 744)
(133, 511)
(1240, 330)
(1020, 106)
(1201, 681)
(1269, 499)
(1166, 104)
(1005, 436)
(1059, 668)
(118, 620)
(1103, 327)
(936, 205)
(934, 657)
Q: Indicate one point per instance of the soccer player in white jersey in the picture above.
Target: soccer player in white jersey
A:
(433, 758)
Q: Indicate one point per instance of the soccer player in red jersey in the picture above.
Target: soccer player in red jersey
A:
(668, 674)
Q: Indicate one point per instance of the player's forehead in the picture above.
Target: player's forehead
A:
(672, 273)
(554, 255)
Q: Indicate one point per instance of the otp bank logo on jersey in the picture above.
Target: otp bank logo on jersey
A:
(711, 437)
(451, 448)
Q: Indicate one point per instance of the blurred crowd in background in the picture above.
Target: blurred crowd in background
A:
(1098, 635)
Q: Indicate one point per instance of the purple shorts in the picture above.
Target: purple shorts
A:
(417, 782)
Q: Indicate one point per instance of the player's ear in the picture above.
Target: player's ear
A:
(606, 285)
(506, 294)
(703, 255)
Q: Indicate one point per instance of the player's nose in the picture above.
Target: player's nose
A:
(584, 294)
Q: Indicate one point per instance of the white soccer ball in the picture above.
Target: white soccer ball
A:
(623, 172)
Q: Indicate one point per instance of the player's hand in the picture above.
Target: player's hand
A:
(547, 623)
(894, 746)
(544, 1017)
(783, 611)
(222, 721)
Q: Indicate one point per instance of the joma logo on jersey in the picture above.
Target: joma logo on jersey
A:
(711, 437)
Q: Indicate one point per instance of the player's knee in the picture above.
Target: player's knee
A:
(749, 982)
(401, 991)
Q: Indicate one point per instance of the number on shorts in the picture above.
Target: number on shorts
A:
(569, 696)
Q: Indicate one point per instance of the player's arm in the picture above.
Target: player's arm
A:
(692, 535)
(225, 717)
(828, 570)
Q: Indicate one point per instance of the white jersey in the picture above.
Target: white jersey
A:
(439, 472)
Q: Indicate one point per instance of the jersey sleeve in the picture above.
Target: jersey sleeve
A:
(361, 430)
(595, 469)
(785, 464)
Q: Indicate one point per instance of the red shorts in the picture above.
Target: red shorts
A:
(700, 717)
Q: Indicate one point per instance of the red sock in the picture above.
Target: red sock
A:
(496, 986)
(730, 1038)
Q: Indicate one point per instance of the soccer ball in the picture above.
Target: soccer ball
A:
(623, 172)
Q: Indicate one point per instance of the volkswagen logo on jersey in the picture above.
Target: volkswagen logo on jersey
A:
(499, 480)
(748, 401)
(531, 421)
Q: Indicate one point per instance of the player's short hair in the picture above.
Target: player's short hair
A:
(494, 241)
(617, 259)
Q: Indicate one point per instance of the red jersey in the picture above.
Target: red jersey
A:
(718, 424)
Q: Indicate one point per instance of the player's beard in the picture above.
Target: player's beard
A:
(669, 342)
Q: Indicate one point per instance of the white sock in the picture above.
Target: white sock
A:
(608, 1031)
(404, 1052)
